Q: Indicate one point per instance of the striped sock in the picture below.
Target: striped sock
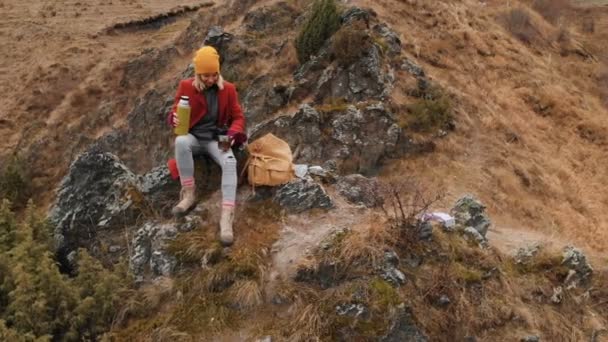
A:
(188, 181)
(228, 204)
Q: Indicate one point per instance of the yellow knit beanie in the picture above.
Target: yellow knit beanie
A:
(206, 61)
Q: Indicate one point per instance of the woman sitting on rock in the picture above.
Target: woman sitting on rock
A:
(215, 109)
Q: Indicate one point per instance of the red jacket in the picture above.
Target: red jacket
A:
(230, 113)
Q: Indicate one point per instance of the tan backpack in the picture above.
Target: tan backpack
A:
(270, 161)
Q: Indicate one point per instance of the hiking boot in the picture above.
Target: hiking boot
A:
(226, 235)
(187, 199)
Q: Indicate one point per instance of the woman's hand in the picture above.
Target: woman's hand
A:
(174, 120)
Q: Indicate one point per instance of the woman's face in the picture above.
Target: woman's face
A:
(209, 79)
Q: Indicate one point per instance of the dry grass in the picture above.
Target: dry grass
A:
(602, 81)
(551, 10)
(520, 23)
(246, 294)
(307, 323)
(367, 246)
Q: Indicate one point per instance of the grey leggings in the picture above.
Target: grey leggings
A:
(186, 146)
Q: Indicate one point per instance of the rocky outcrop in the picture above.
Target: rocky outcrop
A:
(353, 139)
(367, 78)
(98, 193)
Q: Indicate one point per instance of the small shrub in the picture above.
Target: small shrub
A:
(519, 23)
(13, 183)
(321, 24)
(551, 10)
(433, 111)
(350, 43)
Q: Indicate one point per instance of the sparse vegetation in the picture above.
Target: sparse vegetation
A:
(323, 20)
(432, 111)
(14, 182)
(519, 22)
(350, 43)
(551, 10)
(38, 302)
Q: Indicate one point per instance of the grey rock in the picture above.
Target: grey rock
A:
(558, 295)
(302, 194)
(403, 328)
(149, 250)
(575, 260)
(391, 258)
(265, 339)
(443, 301)
(190, 223)
(355, 310)
(392, 39)
(389, 271)
(98, 193)
(353, 140)
(469, 212)
(425, 230)
(412, 68)
(356, 13)
(114, 249)
(473, 234)
(360, 190)
(217, 38)
(160, 189)
(525, 254)
(531, 338)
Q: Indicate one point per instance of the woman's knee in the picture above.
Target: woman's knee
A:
(182, 143)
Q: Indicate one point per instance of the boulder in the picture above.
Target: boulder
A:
(359, 189)
(300, 195)
(469, 212)
(218, 38)
(98, 193)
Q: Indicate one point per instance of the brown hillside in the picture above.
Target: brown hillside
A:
(531, 116)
